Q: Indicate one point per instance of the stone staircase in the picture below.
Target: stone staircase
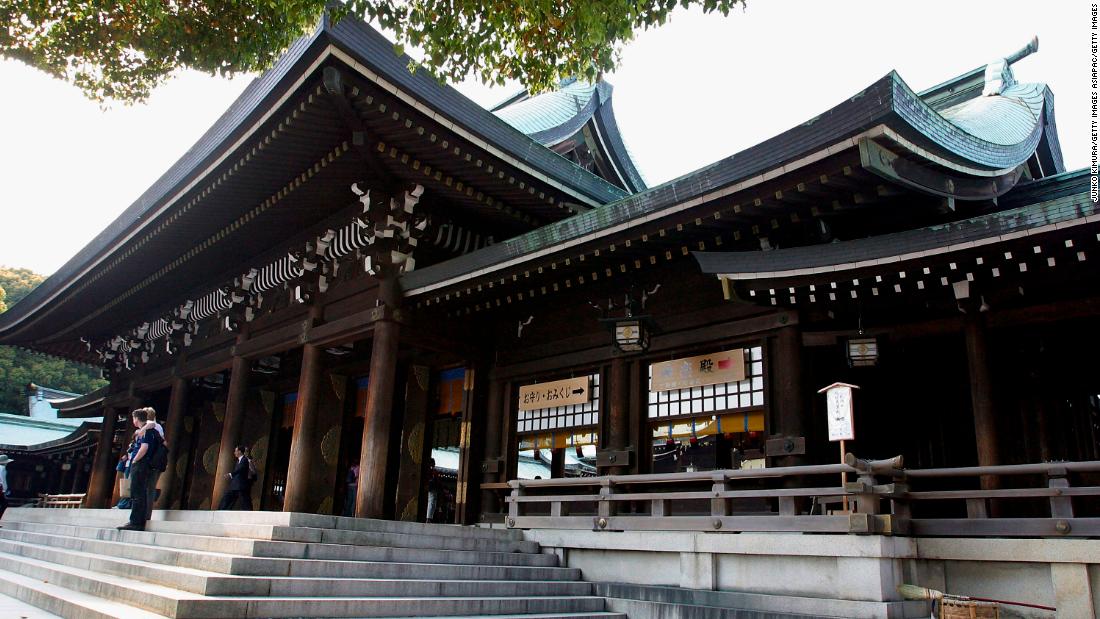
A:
(202, 564)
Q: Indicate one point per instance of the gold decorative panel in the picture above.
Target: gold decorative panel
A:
(330, 445)
(210, 459)
(339, 385)
(181, 465)
(416, 443)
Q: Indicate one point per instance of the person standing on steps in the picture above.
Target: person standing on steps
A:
(141, 473)
(156, 465)
(5, 490)
(239, 484)
(352, 490)
(434, 489)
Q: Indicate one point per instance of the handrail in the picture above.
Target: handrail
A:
(1007, 469)
(697, 476)
(880, 496)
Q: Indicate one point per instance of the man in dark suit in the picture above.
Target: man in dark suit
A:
(240, 483)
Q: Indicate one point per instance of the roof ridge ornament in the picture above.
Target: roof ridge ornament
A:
(998, 74)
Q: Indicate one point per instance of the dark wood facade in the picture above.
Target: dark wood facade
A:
(264, 294)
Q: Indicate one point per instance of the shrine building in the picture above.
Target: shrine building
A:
(357, 265)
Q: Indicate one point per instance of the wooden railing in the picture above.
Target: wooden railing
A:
(802, 499)
(71, 501)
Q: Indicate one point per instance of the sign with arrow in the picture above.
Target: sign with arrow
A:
(556, 393)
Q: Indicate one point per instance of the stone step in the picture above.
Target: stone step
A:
(276, 549)
(210, 583)
(595, 615)
(285, 519)
(236, 565)
(170, 602)
(66, 602)
(275, 532)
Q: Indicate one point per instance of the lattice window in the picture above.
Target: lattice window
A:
(711, 399)
(561, 417)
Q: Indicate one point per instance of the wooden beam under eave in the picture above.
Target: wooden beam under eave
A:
(360, 136)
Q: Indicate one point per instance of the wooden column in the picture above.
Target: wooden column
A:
(471, 444)
(305, 448)
(231, 426)
(618, 422)
(557, 462)
(376, 426)
(788, 407)
(981, 392)
(173, 432)
(57, 478)
(101, 484)
(509, 440)
(492, 464)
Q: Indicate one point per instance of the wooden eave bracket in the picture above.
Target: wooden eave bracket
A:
(334, 86)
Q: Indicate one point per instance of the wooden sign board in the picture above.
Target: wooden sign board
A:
(714, 369)
(556, 393)
(842, 422)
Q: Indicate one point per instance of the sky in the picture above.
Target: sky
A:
(699, 88)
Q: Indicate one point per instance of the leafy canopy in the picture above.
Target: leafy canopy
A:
(19, 367)
(122, 49)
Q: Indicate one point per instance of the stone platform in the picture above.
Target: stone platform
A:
(192, 564)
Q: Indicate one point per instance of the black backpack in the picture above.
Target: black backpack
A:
(159, 460)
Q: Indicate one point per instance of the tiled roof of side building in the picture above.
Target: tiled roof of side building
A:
(557, 115)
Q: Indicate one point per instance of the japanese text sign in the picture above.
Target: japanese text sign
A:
(842, 425)
(721, 367)
(556, 393)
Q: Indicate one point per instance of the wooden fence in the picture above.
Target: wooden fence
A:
(812, 499)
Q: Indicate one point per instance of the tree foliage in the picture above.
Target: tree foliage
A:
(121, 49)
(19, 367)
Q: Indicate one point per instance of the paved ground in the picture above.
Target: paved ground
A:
(11, 608)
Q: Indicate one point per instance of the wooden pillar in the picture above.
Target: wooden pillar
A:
(231, 426)
(57, 477)
(370, 501)
(173, 432)
(305, 448)
(557, 462)
(472, 441)
(618, 422)
(509, 440)
(77, 463)
(492, 464)
(981, 392)
(787, 404)
(101, 484)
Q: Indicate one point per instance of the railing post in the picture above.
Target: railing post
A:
(659, 508)
(606, 508)
(514, 504)
(977, 508)
(1060, 506)
(900, 512)
(559, 509)
(719, 505)
(788, 506)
